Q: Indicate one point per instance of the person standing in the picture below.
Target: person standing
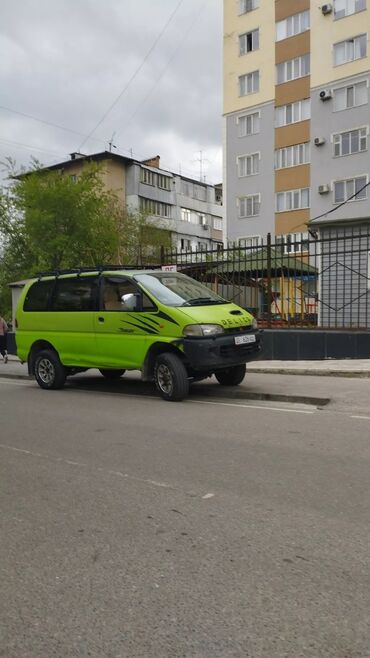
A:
(3, 332)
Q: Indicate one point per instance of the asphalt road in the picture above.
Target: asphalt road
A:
(135, 528)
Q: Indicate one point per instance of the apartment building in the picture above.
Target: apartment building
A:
(189, 209)
(297, 115)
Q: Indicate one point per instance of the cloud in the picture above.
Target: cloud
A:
(66, 62)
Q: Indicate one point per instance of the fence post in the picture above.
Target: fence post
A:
(269, 288)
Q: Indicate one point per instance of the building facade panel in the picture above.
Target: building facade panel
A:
(293, 221)
(295, 90)
(296, 133)
(292, 178)
(285, 8)
(240, 187)
(325, 167)
(325, 32)
(292, 47)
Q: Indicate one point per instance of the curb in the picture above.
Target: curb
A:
(309, 371)
(224, 393)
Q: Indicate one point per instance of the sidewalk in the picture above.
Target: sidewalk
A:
(328, 367)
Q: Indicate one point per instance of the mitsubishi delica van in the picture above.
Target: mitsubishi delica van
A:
(169, 326)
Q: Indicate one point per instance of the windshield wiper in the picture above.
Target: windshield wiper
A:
(200, 301)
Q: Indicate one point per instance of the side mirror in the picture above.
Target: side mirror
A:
(132, 301)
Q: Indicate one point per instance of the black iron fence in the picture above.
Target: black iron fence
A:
(319, 280)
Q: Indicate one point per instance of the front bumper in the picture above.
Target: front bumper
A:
(209, 354)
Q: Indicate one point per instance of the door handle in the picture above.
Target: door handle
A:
(101, 319)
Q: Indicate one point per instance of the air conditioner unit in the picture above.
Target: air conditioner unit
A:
(327, 8)
(324, 189)
(326, 95)
(319, 141)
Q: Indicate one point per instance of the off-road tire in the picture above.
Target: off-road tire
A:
(171, 378)
(231, 376)
(49, 372)
(111, 373)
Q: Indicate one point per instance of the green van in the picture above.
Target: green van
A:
(169, 326)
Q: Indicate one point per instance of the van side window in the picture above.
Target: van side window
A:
(114, 294)
(38, 296)
(77, 294)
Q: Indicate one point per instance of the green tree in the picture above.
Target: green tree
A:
(53, 221)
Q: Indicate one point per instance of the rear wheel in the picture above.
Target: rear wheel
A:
(111, 373)
(171, 378)
(49, 372)
(231, 376)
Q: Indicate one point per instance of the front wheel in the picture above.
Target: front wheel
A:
(171, 378)
(111, 373)
(231, 376)
(49, 372)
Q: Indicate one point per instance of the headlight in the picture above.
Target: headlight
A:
(255, 324)
(203, 330)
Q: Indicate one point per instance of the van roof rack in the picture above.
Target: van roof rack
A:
(97, 268)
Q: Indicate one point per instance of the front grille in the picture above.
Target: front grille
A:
(238, 330)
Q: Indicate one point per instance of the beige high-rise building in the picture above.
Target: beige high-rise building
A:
(296, 106)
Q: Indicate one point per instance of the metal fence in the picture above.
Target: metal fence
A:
(317, 281)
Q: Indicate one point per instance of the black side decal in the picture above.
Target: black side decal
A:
(142, 322)
(163, 315)
(145, 329)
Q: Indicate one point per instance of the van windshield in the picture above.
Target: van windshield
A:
(175, 289)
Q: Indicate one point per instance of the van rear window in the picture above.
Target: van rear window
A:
(38, 296)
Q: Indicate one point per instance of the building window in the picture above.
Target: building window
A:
(292, 156)
(349, 50)
(155, 208)
(344, 189)
(249, 206)
(157, 180)
(249, 124)
(201, 246)
(185, 244)
(293, 69)
(248, 42)
(164, 182)
(248, 165)
(217, 223)
(193, 217)
(293, 112)
(293, 25)
(344, 8)
(247, 5)
(293, 200)
(250, 241)
(293, 243)
(249, 83)
(353, 141)
(352, 96)
(193, 190)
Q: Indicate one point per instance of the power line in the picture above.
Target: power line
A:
(136, 72)
(169, 61)
(47, 123)
(29, 146)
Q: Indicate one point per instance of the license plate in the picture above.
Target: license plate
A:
(241, 340)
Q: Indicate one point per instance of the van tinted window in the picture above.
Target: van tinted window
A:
(78, 294)
(38, 296)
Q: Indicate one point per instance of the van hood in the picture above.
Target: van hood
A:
(227, 315)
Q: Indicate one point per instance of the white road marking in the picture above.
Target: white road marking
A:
(253, 406)
(134, 478)
(24, 382)
(208, 495)
(362, 417)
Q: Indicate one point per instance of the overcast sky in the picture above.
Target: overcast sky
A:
(66, 62)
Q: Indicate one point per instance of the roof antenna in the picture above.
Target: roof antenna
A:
(110, 144)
